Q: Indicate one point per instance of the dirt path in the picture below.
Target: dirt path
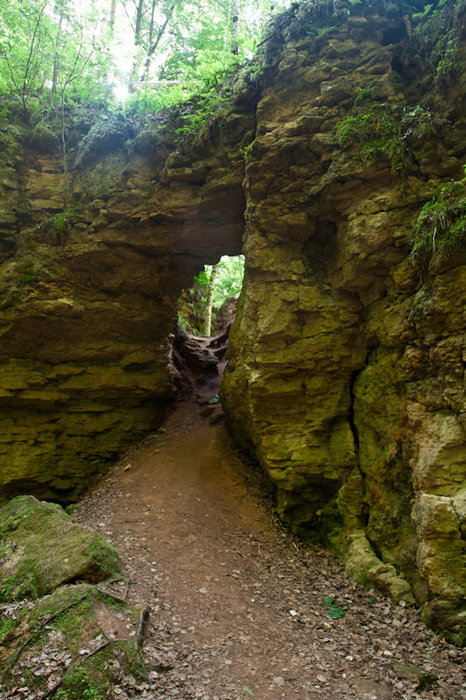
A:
(237, 606)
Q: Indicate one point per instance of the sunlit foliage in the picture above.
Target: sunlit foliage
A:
(55, 52)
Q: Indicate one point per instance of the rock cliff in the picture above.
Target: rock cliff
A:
(346, 367)
(346, 372)
(89, 293)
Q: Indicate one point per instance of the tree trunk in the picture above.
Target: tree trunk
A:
(234, 26)
(210, 298)
(137, 28)
(153, 45)
(111, 21)
(151, 25)
(137, 40)
(56, 59)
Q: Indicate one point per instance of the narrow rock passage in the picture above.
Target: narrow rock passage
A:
(239, 609)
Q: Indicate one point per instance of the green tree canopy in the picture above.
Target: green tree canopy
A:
(55, 51)
(194, 303)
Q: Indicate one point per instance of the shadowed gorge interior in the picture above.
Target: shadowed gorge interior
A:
(345, 373)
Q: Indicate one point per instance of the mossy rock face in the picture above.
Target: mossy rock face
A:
(345, 375)
(90, 289)
(346, 369)
(42, 549)
(57, 626)
(86, 637)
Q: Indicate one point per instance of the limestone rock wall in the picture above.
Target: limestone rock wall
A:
(346, 367)
(345, 376)
(88, 292)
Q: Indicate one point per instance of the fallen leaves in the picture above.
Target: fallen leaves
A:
(240, 609)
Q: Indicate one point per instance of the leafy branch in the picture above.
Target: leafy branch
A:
(386, 130)
(441, 225)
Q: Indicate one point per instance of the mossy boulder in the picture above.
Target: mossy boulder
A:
(366, 568)
(78, 640)
(60, 632)
(42, 548)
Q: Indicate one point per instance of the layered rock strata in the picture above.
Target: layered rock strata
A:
(345, 376)
(346, 368)
(89, 293)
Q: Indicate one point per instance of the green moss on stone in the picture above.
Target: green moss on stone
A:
(81, 683)
(80, 614)
(36, 528)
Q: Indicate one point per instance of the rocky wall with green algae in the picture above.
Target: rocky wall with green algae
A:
(346, 370)
(88, 290)
(346, 365)
(30, 531)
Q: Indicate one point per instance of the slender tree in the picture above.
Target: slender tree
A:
(112, 16)
(154, 43)
(234, 26)
(210, 299)
(138, 40)
(76, 70)
(57, 46)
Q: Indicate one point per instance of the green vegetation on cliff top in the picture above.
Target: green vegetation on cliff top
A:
(441, 225)
(56, 55)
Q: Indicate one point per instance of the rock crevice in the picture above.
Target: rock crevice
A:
(345, 374)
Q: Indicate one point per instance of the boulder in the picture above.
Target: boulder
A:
(42, 548)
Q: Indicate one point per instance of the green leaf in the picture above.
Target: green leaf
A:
(334, 610)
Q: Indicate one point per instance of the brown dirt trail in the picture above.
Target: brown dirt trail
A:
(237, 605)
